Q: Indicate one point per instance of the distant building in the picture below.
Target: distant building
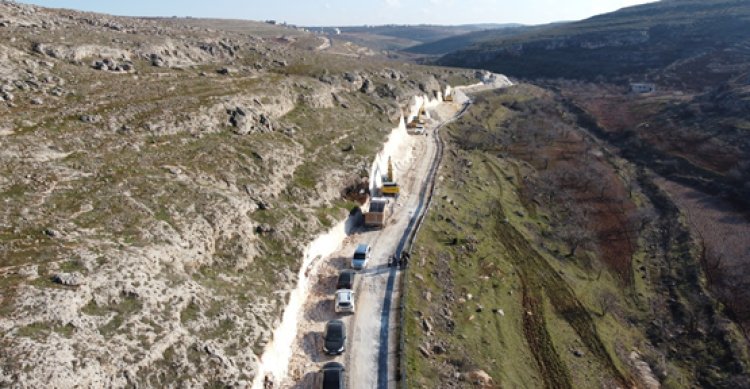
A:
(642, 88)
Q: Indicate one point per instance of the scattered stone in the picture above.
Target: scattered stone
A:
(367, 87)
(425, 352)
(519, 213)
(52, 233)
(347, 148)
(98, 65)
(479, 308)
(264, 229)
(157, 61)
(578, 353)
(426, 326)
(91, 118)
(174, 170)
(7, 96)
(37, 101)
(439, 349)
(225, 71)
(69, 279)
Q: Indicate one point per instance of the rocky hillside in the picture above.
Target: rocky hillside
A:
(159, 182)
(398, 37)
(686, 42)
(460, 42)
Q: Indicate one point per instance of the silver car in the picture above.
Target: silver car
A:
(344, 301)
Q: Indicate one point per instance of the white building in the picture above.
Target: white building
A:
(642, 88)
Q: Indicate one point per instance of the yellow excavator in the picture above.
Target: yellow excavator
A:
(420, 115)
(390, 186)
(418, 121)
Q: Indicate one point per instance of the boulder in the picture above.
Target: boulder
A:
(91, 118)
(368, 87)
(479, 378)
(52, 233)
(69, 279)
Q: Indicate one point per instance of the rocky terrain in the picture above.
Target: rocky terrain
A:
(629, 210)
(674, 42)
(159, 180)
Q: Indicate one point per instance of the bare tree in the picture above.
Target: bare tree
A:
(576, 236)
(607, 302)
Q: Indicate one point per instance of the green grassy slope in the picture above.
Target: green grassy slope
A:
(495, 285)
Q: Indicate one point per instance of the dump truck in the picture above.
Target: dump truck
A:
(414, 127)
(390, 186)
(376, 214)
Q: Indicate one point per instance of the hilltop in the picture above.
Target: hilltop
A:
(657, 41)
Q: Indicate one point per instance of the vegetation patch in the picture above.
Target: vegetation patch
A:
(502, 285)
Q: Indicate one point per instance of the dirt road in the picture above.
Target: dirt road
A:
(370, 358)
(374, 321)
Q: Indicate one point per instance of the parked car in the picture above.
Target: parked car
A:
(346, 280)
(344, 301)
(361, 255)
(334, 337)
(333, 376)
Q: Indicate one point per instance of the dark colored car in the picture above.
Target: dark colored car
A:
(335, 337)
(346, 280)
(333, 376)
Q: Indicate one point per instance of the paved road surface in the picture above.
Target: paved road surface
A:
(372, 324)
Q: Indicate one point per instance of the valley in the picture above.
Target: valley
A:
(179, 196)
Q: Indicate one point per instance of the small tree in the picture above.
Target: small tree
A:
(576, 236)
(607, 302)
